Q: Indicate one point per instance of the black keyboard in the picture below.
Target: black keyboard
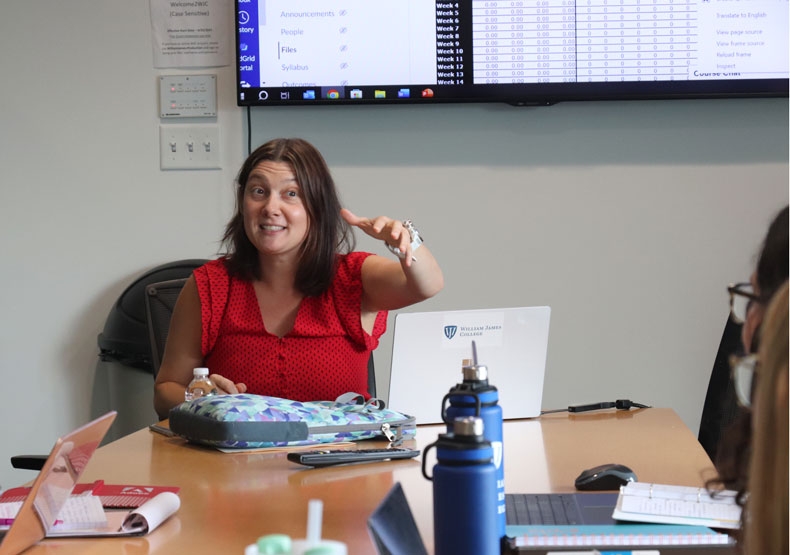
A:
(541, 508)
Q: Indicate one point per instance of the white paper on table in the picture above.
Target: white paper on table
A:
(78, 513)
(667, 504)
(148, 516)
(81, 512)
(8, 510)
(140, 521)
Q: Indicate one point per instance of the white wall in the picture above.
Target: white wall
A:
(628, 218)
(84, 208)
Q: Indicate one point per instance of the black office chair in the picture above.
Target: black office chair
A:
(125, 337)
(371, 377)
(160, 300)
(721, 405)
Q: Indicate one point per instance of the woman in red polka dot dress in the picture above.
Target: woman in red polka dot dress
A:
(290, 311)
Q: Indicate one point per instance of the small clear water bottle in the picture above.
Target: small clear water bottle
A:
(200, 386)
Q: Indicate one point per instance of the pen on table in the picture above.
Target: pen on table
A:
(596, 552)
(161, 430)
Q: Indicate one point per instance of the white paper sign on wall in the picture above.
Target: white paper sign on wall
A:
(192, 33)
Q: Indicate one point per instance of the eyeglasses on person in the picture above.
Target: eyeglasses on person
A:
(742, 296)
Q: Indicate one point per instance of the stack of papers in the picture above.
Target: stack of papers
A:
(79, 512)
(657, 503)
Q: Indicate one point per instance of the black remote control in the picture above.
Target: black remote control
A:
(327, 457)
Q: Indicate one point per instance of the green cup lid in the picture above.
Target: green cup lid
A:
(274, 544)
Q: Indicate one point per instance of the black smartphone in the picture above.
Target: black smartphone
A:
(161, 430)
(327, 457)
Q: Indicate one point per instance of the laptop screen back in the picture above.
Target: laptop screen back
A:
(429, 349)
(54, 483)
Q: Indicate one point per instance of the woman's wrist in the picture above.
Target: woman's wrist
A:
(414, 238)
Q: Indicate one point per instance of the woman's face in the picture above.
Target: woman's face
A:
(275, 218)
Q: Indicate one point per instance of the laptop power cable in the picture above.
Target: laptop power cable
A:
(620, 404)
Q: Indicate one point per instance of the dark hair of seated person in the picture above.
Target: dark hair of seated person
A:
(772, 265)
(328, 233)
(732, 459)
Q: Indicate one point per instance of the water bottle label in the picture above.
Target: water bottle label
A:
(497, 446)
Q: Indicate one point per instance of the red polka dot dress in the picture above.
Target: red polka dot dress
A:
(325, 355)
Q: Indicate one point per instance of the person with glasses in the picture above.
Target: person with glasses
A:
(749, 300)
(766, 520)
(748, 304)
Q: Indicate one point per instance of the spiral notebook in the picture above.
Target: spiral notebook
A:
(620, 535)
(667, 504)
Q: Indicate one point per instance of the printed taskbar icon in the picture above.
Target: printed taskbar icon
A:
(308, 95)
(355, 93)
(377, 93)
(403, 93)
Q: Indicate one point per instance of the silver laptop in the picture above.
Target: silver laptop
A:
(429, 348)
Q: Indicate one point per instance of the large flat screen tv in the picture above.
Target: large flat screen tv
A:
(516, 51)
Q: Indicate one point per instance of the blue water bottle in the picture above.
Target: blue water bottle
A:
(464, 491)
(476, 397)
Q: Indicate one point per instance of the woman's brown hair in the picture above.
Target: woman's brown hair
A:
(328, 233)
(732, 459)
(767, 512)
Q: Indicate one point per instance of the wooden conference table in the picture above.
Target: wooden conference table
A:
(229, 500)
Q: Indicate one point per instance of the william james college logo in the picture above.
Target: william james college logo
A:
(449, 331)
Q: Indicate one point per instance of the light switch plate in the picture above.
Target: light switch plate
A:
(189, 147)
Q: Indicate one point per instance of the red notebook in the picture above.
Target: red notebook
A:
(112, 496)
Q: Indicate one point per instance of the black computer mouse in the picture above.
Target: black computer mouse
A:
(605, 477)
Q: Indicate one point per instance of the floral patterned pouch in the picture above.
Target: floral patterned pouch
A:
(254, 421)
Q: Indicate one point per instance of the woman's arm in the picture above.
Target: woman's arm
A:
(391, 284)
(183, 354)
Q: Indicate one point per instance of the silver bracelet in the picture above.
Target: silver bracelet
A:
(415, 238)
